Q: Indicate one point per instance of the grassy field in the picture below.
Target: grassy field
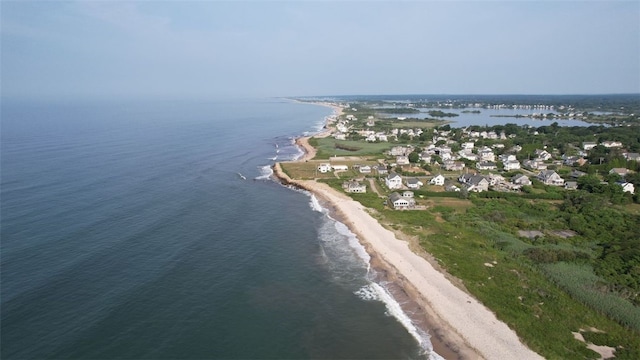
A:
(308, 170)
(328, 147)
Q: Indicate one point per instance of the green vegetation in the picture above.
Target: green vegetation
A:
(328, 147)
(403, 110)
(438, 113)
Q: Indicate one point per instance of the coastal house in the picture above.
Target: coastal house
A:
(626, 186)
(393, 181)
(453, 165)
(611, 144)
(425, 156)
(536, 164)
(521, 180)
(414, 183)
(511, 165)
(571, 185)
(619, 171)
(542, 154)
(486, 154)
(340, 167)
(402, 160)
(586, 146)
(486, 165)
(400, 202)
(354, 186)
(577, 173)
(324, 167)
(550, 177)
(381, 169)
(452, 188)
(365, 169)
(632, 156)
(475, 183)
(437, 180)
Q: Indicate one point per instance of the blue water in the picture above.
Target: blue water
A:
(127, 231)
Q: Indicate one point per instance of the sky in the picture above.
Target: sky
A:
(212, 49)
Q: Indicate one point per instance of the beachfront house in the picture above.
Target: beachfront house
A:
(340, 167)
(400, 202)
(354, 186)
(626, 186)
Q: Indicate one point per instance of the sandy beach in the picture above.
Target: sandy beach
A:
(460, 326)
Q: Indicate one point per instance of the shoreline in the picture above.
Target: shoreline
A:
(459, 325)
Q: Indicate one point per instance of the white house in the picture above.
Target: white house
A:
(402, 160)
(339, 167)
(437, 180)
(550, 177)
(486, 165)
(586, 146)
(393, 181)
(627, 187)
(324, 167)
(401, 202)
(366, 169)
(511, 165)
(354, 187)
(521, 180)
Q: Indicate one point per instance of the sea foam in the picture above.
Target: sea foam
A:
(265, 172)
(375, 292)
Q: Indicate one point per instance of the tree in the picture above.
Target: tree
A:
(414, 157)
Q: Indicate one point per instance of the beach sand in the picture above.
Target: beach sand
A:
(461, 327)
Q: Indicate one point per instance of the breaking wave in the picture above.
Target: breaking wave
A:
(265, 172)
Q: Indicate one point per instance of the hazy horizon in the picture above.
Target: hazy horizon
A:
(213, 50)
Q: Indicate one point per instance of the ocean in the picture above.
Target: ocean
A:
(151, 230)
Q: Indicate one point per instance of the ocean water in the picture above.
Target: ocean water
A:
(153, 230)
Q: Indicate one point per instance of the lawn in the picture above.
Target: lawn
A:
(328, 147)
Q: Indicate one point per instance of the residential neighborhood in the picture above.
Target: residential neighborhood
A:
(467, 161)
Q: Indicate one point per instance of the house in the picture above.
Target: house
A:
(437, 180)
(511, 165)
(354, 187)
(466, 154)
(535, 165)
(468, 145)
(324, 167)
(486, 154)
(542, 154)
(381, 169)
(626, 186)
(619, 171)
(407, 194)
(402, 160)
(399, 202)
(476, 183)
(486, 165)
(632, 156)
(507, 157)
(577, 173)
(571, 185)
(451, 188)
(366, 169)
(610, 144)
(340, 167)
(495, 179)
(586, 146)
(425, 156)
(521, 179)
(414, 183)
(453, 165)
(550, 177)
(393, 181)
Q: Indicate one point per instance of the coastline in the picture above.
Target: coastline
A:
(460, 326)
